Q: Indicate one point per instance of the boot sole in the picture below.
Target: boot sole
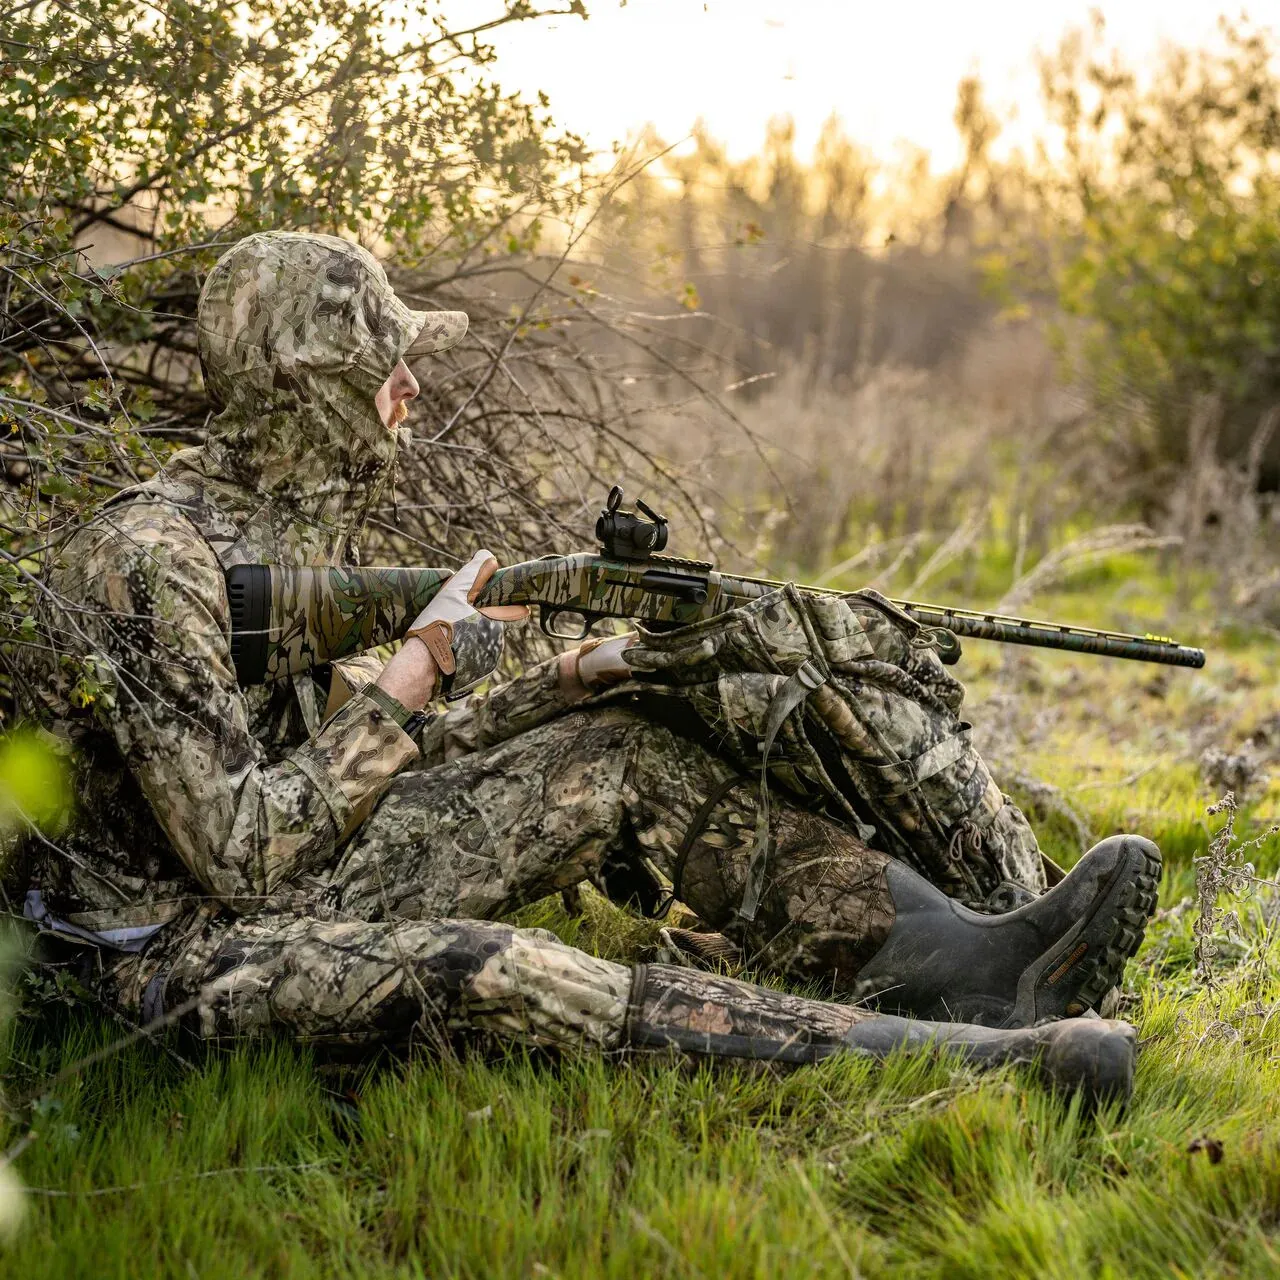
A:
(1090, 958)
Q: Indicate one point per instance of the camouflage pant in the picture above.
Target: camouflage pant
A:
(393, 933)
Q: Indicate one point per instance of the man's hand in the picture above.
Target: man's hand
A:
(451, 643)
(594, 665)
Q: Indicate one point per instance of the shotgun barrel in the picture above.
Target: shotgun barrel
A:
(1054, 635)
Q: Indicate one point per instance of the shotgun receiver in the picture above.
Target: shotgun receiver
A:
(286, 620)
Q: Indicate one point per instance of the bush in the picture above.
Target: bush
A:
(1168, 200)
(133, 149)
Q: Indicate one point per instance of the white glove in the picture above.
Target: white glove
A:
(466, 643)
(600, 662)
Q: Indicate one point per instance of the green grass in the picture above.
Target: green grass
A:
(264, 1162)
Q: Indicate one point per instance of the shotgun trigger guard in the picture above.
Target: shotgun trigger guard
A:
(571, 630)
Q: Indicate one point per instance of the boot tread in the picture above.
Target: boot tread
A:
(1134, 910)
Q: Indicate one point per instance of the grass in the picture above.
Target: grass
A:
(265, 1162)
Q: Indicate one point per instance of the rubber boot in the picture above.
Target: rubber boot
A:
(705, 1015)
(1055, 957)
(1092, 1056)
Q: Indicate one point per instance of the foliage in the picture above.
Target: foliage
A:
(33, 792)
(1166, 241)
(33, 783)
(202, 123)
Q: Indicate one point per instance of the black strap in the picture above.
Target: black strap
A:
(695, 829)
(790, 695)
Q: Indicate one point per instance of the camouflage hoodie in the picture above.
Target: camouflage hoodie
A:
(297, 333)
(248, 789)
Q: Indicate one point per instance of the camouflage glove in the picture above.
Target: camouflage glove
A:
(466, 643)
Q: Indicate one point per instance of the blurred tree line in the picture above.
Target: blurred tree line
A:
(1143, 233)
(834, 261)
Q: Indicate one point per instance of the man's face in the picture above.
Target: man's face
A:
(392, 399)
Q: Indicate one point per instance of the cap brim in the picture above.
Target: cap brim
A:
(437, 331)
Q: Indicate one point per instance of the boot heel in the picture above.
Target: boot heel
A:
(1093, 1057)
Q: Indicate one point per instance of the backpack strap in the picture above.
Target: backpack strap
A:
(807, 677)
(694, 830)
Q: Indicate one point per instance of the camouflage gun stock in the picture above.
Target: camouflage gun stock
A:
(286, 620)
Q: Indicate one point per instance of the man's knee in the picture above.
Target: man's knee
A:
(538, 990)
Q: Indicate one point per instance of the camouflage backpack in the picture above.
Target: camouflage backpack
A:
(843, 702)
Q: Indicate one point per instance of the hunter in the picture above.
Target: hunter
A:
(331, 860)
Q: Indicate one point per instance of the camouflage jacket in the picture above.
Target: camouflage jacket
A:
(190, 788)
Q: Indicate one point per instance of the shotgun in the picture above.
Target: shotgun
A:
(286, 620)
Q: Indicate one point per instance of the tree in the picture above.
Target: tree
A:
(1170, 194)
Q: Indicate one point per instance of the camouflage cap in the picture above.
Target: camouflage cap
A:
(279, 302)
(439, 331)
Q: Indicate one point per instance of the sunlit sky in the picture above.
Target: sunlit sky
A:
(889, 68)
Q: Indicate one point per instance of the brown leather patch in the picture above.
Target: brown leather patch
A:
(438, 637)
(1068, 964)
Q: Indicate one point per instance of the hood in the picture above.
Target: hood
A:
(296, 334)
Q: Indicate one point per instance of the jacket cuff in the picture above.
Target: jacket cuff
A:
(353, 758)
(392, 706)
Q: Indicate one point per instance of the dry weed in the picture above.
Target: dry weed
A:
(1229, 526)
(1089, 548)
(1236, 772)
(1220, 871)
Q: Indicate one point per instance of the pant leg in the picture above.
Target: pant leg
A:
(486, 833)
(392, 982)
(491, 831)
(361, 983)
(825, 908)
